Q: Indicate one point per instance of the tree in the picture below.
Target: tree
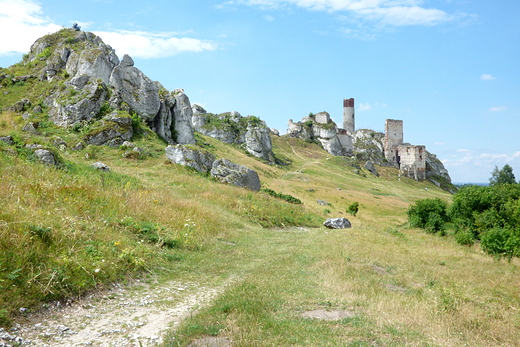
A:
(503, 176)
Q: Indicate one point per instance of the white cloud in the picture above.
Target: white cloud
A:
(25, 18)
(487, 77)
(497, 109)
(405, 15)
(139, 44)
(439, 143)
(268, 18)
(364, 107)
(388, 12)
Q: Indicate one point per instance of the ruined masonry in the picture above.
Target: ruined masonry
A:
(410, 159)
(385, 149)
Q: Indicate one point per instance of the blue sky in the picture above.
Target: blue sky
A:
(450, 69)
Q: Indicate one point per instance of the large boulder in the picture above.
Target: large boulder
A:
(100, 166)
(372, 168)
(182, 118)
(136, 89)
(198, 159)
(238, 175)
(45, 156)
(337, 223)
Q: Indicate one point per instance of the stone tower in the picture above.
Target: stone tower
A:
(348, 116)
(393, 139)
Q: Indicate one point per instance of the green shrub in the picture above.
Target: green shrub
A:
(501, 242)
(464, 237)
(434, 223)
(428, 214)
(482, 208)
(353, 208)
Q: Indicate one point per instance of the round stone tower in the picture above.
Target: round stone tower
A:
(348, 116)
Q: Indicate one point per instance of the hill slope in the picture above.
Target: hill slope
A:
(69, 228)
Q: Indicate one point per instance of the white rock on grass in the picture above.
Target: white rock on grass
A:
(337, 223)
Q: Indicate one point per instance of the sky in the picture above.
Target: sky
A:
(450, 69)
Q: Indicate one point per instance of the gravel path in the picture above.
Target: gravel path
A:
(135, 315)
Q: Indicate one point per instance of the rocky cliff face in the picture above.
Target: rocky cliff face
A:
(231, 127)
(92, 83)
(322, 129)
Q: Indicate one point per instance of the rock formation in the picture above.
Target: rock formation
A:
(95, 83)
(337, 223)
(321, 128)
(221, 169)
(196, 158)
(238, 175)
(231, 127)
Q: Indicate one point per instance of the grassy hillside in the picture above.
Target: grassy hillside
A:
(71, 229)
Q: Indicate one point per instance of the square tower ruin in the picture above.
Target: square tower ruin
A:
(393, 138)
(410, 159)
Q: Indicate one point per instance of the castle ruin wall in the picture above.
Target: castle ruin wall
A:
(412, 161)
(393, 139)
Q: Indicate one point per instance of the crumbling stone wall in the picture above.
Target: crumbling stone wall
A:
(412, 161)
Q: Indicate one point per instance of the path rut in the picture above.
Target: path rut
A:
(135, 315)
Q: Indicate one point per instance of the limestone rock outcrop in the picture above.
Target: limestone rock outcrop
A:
(113, 131)
(183, 117)
(368, 145)
(134, 88)
(82, 100)
(96, 83)
(321, 128)
(196, 158)
(232, 128)
(238, 175)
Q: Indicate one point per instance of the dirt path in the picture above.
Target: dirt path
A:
(136, 315)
